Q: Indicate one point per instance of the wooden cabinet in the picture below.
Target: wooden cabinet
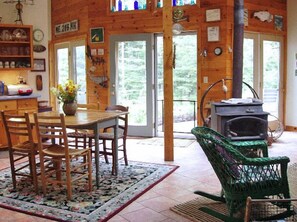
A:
(29, 105)
(16, 47)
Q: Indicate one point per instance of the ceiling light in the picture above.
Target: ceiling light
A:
(177, 28)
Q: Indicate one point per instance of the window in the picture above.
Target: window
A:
(177, 3)
(71, 64)
(127, 5)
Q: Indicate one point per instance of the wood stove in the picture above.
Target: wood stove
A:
(243, 121)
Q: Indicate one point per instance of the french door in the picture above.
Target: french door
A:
(184, 84)
(71, 64)
(134, 73)
(263, 70)
(131, 62)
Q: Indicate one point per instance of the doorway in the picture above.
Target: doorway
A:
(71, 64)
(131, 65)
(263, 70)
(137, 81)
(184, 84)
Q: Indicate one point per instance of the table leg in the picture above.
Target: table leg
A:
(96, 137)
(116, 127)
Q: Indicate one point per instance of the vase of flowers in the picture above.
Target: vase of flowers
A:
(66, 93)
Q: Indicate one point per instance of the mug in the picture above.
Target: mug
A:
(6, 64)
(1, 64)
(12, 64)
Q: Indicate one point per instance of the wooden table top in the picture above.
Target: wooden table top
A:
(86, 117)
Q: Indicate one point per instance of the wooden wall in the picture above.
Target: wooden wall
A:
(96, 13)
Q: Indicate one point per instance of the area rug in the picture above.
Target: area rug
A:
(157, 141)
(190, 209)
(114, 193)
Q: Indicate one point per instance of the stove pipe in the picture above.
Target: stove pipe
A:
(238, 48)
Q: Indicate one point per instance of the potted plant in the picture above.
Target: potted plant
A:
(67, 95)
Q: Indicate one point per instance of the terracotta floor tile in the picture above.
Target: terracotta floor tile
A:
(144, 215)
(159, 204)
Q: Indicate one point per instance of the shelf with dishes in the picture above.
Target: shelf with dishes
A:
(16, 48)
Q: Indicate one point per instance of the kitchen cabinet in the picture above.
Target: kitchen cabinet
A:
(16, 47)
(29, 105)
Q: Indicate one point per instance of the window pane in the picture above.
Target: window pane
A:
(271, 76)
(128, 5)
(248, 67)
(63, 66)
(178, 2)
(80, 71)
(132, 79)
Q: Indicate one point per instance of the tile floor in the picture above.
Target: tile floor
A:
(193, 174)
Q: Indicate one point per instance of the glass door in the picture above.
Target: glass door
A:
(184, 84)
(132, 79)
(263, 61)
(71, 64)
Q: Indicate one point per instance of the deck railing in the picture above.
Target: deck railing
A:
(184, 115)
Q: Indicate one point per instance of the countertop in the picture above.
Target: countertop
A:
(14, 97)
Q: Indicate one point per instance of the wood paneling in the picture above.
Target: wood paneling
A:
(94, 13)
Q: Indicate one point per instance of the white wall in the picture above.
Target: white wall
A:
(291, 104)
(37, 15)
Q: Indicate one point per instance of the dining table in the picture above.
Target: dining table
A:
(93, 120)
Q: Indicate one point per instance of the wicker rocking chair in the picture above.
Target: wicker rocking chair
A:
(250, 148)
(241, 176)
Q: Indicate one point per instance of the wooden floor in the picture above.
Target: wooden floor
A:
(195, 173)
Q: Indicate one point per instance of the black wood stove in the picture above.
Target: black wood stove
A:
(242, 121)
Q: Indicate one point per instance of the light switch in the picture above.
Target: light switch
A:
(205, 79)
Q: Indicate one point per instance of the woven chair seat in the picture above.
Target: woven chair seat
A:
(109, 136)
(25, 147)
(79, 134)
(56, 150)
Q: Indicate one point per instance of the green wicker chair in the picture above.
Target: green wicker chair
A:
(250, 148)
(241, 176)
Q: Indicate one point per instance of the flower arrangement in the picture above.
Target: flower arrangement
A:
(67, 92)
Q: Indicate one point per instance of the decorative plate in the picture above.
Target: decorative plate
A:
(39, 48)
(19, 34)
(5, 35)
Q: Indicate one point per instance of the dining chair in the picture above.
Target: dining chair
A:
(53, 128)
(108, 135)
(20, 146)
(80, 138)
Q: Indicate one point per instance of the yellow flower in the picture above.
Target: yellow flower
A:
(66, 92)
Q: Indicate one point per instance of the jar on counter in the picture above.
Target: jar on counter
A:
(1, 88)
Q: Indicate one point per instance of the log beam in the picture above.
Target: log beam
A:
(168, 81)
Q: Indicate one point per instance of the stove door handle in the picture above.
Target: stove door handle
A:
(249, 110)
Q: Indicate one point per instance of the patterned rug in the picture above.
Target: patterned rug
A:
(191, 209)
(115, 193)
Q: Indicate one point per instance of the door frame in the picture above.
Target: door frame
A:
(148, 130)
(258, 66)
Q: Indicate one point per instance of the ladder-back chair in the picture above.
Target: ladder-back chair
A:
(53, 129)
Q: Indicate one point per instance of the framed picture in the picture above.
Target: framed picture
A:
(213, 15)
(97, 35)
(213, 34)
(38, 65)
(278, 22)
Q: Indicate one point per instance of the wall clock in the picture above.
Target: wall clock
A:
(38, 35)
(218, 51)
